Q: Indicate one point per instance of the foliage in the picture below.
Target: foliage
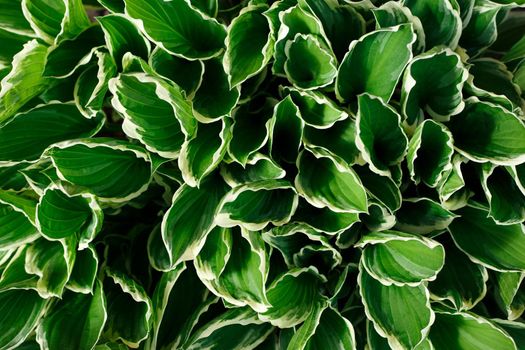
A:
(290, 174)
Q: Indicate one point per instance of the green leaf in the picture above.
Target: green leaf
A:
(186, 74)
(325, 328)
(202, 154)
(85, 269)
(178, 28)
(184, 233)
(59, 215)
(315, 108)
(326, 183)
(14, 275)
(155, 113)
(286, 131)
(11, 44)
(255, 205)
(55, 20)
(433, 83)
(374, 63)
(481, 31)
(259, 167)
(12, 18)
(106, 163)
(487, 132)
(129, 310)
(497, 247)
(381, 188)
(308, 65)
(514, 329)
(395, 258)
(235, 329)
(249, 44)
(380, 138)
(92, 85)
(66, 57)
(214, 98)
(452, 191)
(509, 293)
(293, 297)
(440, 19)
(406, 322)
(506, 200)
(215, 254)
(25, 79)
(249, 131)
(471, 332)
(516, 52)
(461, 281)
(323, 219)
(122, 36)
(16, 228)
(423, 216)
(20, 312)
(25, 136)
(430, 152)
(75, 322)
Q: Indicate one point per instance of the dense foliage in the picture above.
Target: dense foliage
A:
(291, 174)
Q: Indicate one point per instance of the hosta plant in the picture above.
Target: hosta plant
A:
(289, 174)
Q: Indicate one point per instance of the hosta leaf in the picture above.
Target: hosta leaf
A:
(452, 191)
(408, 306)
(308, 66)
(249, 44)
(15, 228)
(122, 36)
(12, 18)
(293, 296)
(183, 233)
(202, 153)
(286, 131)
(59, 215)
(430, 153)
(55, 20)
(324, 328)
(382, 188)
(255, 205)
(393, 13)
(85, 269)
(292, 240)
(293, 20)
(175, 310)
(242, 279)
(249, 132)
(481, 31)
(316, 109)
(106, 163)
(185, 73)
(432, 83)
(177, 27)
(506, 201)
(495, 246)
(380, 138)
(11, 44)
(422, 216)
(461, 281)
(14, 275)
(440, 19)
(214, 98)
(323, 219)
(471, 332)
(236, 329)
(25, 79)
(487, 132)
(92, 84)
(510, 294)
(129, 310)
(21, 202)
(155, 112)
(28, 134)
(20, 312)
(75, 322)
(378, 218)
(514, 329)
(338, 141)
(395, 258)
(381, 56)
(341, 23)
(325, 183)
(65, 58)
(517, 51)
(494, 76)
(259, 167)
(52, 262)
